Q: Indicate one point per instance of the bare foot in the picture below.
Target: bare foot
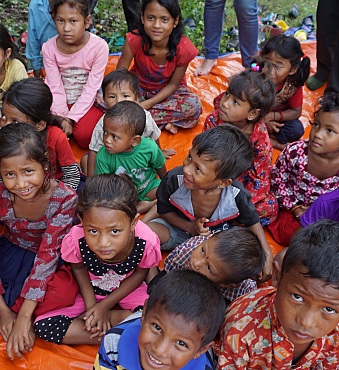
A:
(277, 144)
(145, 205)
(205, 67)
(171, 128)
(168, 153)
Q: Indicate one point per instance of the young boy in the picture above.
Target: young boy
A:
(230, 258)
(125, 151)
(117, 86)
(178, 325)
(204, 196)
(295, 325)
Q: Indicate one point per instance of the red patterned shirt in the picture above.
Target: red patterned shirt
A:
(43, 236)
(292, 183)
(252, 338)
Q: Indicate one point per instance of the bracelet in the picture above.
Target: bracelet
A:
(281, 116)
(273, 116)
(295, 207)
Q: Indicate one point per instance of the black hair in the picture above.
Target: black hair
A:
(128, 114)
(119, 76)
(23, 139)
(38, 108)
(316, 248)
(327, 103)
(192, 296)
(7, 42)
(288, 47)
(239, 249)
(116, 192)
(173, 7)
(80, 5)
(227, 145)
(255, 88)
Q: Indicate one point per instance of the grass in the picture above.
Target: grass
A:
(109, 18)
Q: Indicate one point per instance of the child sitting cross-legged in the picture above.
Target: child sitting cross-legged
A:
(178, 325)
(296, 324)
(204, 196)
(232, 258)
(125, 151)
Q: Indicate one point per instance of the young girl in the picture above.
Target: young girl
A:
(12, 65)
(20, 107)
(37, 213)
(74, 62)
(289, 68)
(111, 253)
(307, 169)
(250, 95)
(161, 55)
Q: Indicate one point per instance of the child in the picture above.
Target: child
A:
(230, 258)
(37, 213)
(295, 325)
(289, 69)
(249, 97)
(307, 169)
(110, 254)
(203, 196)
(161, 56)
(125, 151)
(12, 65)
(20, 107)
(119, 85)
(178, 325)
(75, 62)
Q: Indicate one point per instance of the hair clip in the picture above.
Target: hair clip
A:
(255, 67)
(304, 56)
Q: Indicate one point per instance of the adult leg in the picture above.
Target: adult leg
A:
(247, 17)
(213, 22)
(132, 9)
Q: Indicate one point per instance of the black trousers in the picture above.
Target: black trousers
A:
(132, 10)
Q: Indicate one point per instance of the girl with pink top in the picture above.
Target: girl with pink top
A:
(110, 253)
(75, 62)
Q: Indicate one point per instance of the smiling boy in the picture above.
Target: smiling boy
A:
(295, 325)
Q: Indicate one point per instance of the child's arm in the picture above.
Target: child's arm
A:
(126, 57)
(92, 155)
(71, 175)
(7, 319)
(267, 272)
(275, 120)
(195, 227)
(100, 312)
(162, 171)
(86, 290)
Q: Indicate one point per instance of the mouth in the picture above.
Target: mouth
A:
(315, 143)
(301, 335)
(109, 149)
(105, 252)
(24, 192)
(153, 361)
(187, 181)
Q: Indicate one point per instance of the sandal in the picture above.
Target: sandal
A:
(189, 23)
(294, 11)
(233, 44)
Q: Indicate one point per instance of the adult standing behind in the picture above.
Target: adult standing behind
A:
(247, 16)
(327, 47)
(132, 10)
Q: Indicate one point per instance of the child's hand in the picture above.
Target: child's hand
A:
(267, 270)
(298, 212)
(97, 319)
(21, 339)
(168, 153)
(67, 127)
(7, 321)
(200, 229)
(273, 126)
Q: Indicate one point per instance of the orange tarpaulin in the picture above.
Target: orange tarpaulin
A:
(47, 356)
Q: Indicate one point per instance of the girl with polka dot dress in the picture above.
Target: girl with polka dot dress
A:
(110, 254)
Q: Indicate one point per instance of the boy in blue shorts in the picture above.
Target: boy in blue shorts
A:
(297, 324)
(178, 325)
(204, 196)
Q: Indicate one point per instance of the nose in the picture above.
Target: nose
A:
(161, 348)
(102, 241)
(306, 319)
(199, 263)
(157, 23)
(21, 182)
(67, 26)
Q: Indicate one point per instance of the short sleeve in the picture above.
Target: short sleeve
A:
(70, 251)
(186, 52)
(97, 136)
(152, 254)
(296, 100)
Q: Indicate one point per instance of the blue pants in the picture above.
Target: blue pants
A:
(292, 130)
(247, 16)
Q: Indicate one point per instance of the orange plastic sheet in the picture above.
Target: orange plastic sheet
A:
(47, 356)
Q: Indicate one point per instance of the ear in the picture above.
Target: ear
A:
(136, 140)
(253, 114)
(142, 18)
(144, 311)
(8, 53)
(41, 125)
(176, 21)
(203, 349)
(134, 221)
(225, 183)
(79, 218)
(293, 70)
(276, 268)
(88, 21)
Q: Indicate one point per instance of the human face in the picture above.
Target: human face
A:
(280, 68)
(168, 341)
(108, 232)
(116, 138)
(4, 54)
(71, 25)
(235, 111)
(158, 23)
(22, 177)
(200, 172)
(204, 260)
(307, 308)
(324, 135)
(116, 93)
